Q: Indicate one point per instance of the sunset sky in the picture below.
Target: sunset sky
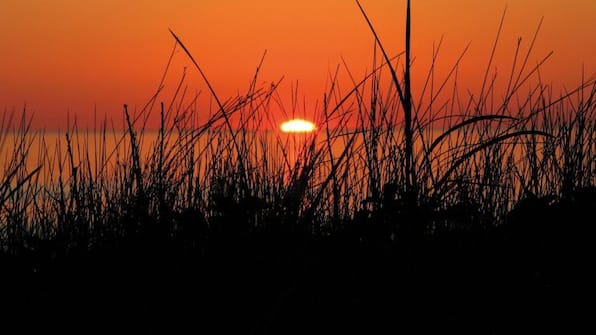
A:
(72, 57)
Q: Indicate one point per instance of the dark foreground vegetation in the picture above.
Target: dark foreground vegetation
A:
(448, 214)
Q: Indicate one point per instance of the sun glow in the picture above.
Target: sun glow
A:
(297, 126)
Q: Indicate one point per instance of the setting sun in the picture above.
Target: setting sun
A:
(297, 126)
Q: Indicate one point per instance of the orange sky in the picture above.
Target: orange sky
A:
(71, 56)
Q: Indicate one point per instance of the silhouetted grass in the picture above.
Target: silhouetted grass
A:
(388, 202)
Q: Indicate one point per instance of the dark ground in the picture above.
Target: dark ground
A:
(530, 276)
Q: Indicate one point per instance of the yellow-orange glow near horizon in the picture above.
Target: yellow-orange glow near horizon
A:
(297, 126)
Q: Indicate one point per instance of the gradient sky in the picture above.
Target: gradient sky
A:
(73, 56)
